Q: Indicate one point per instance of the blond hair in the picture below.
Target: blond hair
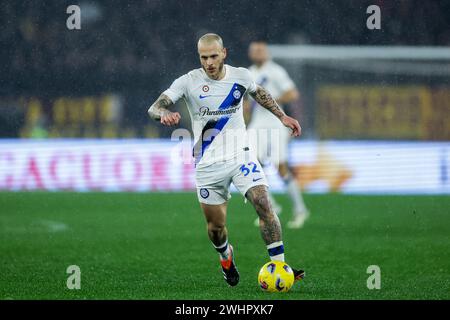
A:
(209, 38)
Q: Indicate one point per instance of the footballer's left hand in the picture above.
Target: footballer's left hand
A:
(292, 124)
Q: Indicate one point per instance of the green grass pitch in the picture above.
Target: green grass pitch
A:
(155, 246)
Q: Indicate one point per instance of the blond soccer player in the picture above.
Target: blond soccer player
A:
(213, 95)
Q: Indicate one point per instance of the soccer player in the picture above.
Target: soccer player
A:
(213, 95)
(272, 137)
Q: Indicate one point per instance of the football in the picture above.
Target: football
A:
(276, 276)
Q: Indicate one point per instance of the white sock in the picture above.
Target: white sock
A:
(223, 250)
(295, 195)
(276, 251)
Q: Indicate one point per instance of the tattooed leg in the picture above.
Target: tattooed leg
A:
(268, 221)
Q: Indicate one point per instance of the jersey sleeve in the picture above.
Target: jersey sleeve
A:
(251, 84)
(283, 81)
(177, 89)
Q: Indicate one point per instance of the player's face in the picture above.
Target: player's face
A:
(258, 53)
(212, 57)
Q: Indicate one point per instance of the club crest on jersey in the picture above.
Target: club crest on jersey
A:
(237, 94)
(204, 193)
(205, 88)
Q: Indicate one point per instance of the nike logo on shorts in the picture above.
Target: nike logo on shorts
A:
(203, 97)
(254, 180)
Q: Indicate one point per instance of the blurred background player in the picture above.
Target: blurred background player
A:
(271, 138)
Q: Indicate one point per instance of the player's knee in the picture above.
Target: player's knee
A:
(262, 205)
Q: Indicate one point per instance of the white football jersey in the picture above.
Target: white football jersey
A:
(215, 107)
(274, 79)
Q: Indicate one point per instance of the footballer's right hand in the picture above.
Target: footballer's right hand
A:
(170, 119)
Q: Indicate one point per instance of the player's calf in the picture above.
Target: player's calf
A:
(217, 233)
(268, 221)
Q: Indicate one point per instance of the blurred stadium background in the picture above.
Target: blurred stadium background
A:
(374, 107)
(97, 83)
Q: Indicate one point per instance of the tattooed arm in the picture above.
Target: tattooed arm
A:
(263, 97)
(159, 112)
